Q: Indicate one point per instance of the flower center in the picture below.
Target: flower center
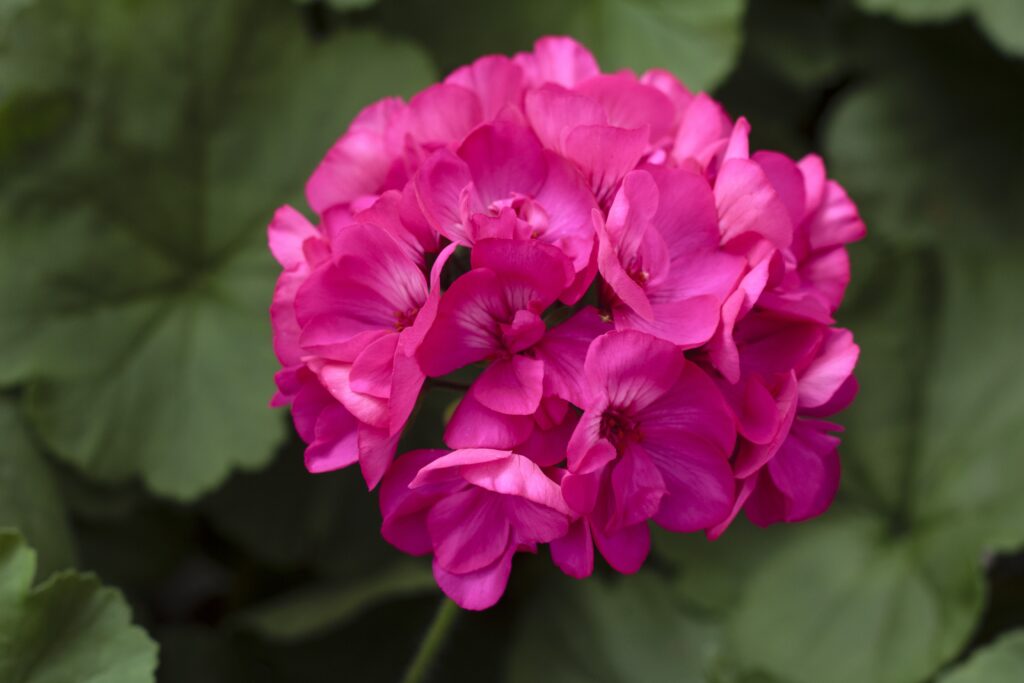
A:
(404, 319)
(619, 429)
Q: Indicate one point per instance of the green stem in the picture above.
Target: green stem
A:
(432, 643)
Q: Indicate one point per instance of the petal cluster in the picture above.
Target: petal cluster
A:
(640, 311)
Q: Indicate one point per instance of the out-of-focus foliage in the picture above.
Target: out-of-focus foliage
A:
(143, 147)
(68, 628)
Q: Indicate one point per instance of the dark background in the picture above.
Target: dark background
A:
(143, 147)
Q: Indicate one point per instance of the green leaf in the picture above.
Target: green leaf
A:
(134, 274)
(698, 40)
(68, 628)
(628, 630)
(929, 150)
(889, 587)
(343, 5)
(28, 495)
(1001, 20)
(1000, 662)
(312, 610)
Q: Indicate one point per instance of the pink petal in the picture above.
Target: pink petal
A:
(404, 510)
(287, 232)
(605, 154)
(752, 456)
(836, 220)
(374, 367)
(832, 367)
(535, 523)
(469, 530)
(687, 323)
(369, 409)
(406, 382)
(376, 451)
(553, 112)
(513, 386)
(443, 113)
(801, 480)
(496, 80)
(785, 176)
(630, 104)
(440, 184)
(533, 274)
(564, 349)
(574, 552)
(747, 203)
(475, 426)
(632, 369)
(637, 489)
(557, 59)
(504, 159)
(467, 327)
(703, 131)
(625, 549)
(336, 443)
(364, 160)
(479, 589)
(548, 446)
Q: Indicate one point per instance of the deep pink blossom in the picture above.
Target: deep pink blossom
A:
(638, 307)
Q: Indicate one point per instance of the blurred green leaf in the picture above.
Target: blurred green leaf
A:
(930, 145)
(1000, 662)
(628, 630)
(698, 40)
(68, 628)
(315, 609)
(29, 500)
(134, 276)
(288, 518)
(1001, 20)
(342, 5)
(889, 587)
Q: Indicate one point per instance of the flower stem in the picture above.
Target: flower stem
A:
(432, 643)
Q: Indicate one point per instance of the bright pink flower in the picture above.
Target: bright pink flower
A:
(494, 313)
(563, 237)
(659, 255)
(500, 183)
(653, 443)
(474, 508)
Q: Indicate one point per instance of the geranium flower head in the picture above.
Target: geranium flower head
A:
(638, 307)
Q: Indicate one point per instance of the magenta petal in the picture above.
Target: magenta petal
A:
(700, 486)
(625, 549)
(637, 488)
(557, 59)
(476, 590)
(466, 329)
(687, 323)
(751, 457)
(564, 349)
(830, 370)
(533, 274)
(504, 159)
(374, 367)
(631, 368)
(404, 510)
(628, 103)
(443, 113)
(605, 154)
(336, 444)
(554, 111)
(836, 221)
(361, 161)
(574, 552)
(513, 386)
(702, 132)
(801, 480)
(535, 523)
(581, 491)
(548, 446)
(406, 382)
(440, 184)
(475, 426)
(784, 175)
(413, 336)
(747, 203)
(376, 451)
(496, 80)
(287, 232)
(470, 530)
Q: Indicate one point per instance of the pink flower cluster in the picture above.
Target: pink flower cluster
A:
(645, 309)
